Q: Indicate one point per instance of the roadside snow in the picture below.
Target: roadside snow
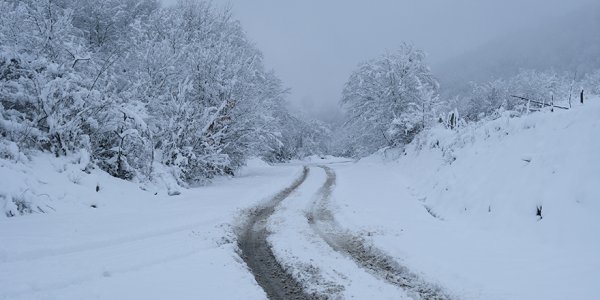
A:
(460, 207)
(134, 244)
(309, 258)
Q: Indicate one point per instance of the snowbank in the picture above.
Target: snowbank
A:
(122, 242)
(499, 173)
(44, 184)
(460, 207)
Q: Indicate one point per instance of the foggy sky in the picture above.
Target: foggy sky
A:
(313, 45)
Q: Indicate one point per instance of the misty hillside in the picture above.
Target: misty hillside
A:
(567, 44)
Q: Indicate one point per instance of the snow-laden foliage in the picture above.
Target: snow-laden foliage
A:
(388, 100)
(135, 84)
(591, 83)
(301, 137)
(526, 91)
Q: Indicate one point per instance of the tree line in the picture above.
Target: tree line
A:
(133, 84)
(390, 99)
(136, 86)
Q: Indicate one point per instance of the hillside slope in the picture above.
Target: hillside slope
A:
(460, 206)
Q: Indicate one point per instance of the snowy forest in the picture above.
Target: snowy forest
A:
(132, 85)
(192, 149)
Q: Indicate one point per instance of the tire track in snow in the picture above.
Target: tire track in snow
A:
(362, 252)
(50, 252)
(258, 255)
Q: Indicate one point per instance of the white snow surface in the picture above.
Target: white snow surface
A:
(458, 208)
(134, 245)
(302, 251)
(483, 183)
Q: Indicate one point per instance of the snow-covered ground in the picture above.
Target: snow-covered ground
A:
(458, 209)
(309, 257)
(483, 184)
(134, 245)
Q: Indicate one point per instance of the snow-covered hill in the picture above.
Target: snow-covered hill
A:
(461, 206)
(499, 172)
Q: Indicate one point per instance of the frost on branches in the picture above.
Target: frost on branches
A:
(135, 85)
(388, 100)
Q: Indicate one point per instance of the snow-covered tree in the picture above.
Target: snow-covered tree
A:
(591, 83)
(513, 93)
(299, 137)
(42, 95)
(135, 84)
(211, 101)
(389, 99)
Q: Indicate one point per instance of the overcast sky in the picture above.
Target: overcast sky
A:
(313, 45)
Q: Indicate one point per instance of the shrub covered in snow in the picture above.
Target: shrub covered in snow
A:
(133, 84)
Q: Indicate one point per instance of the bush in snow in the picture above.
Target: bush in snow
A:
(388, 100)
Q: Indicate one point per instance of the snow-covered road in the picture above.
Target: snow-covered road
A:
(138, 248)
(257, 253)
(322, 259)
(363, 253)
(186, 246)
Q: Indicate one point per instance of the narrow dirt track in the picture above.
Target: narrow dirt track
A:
(257, 253)
(363, 253)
